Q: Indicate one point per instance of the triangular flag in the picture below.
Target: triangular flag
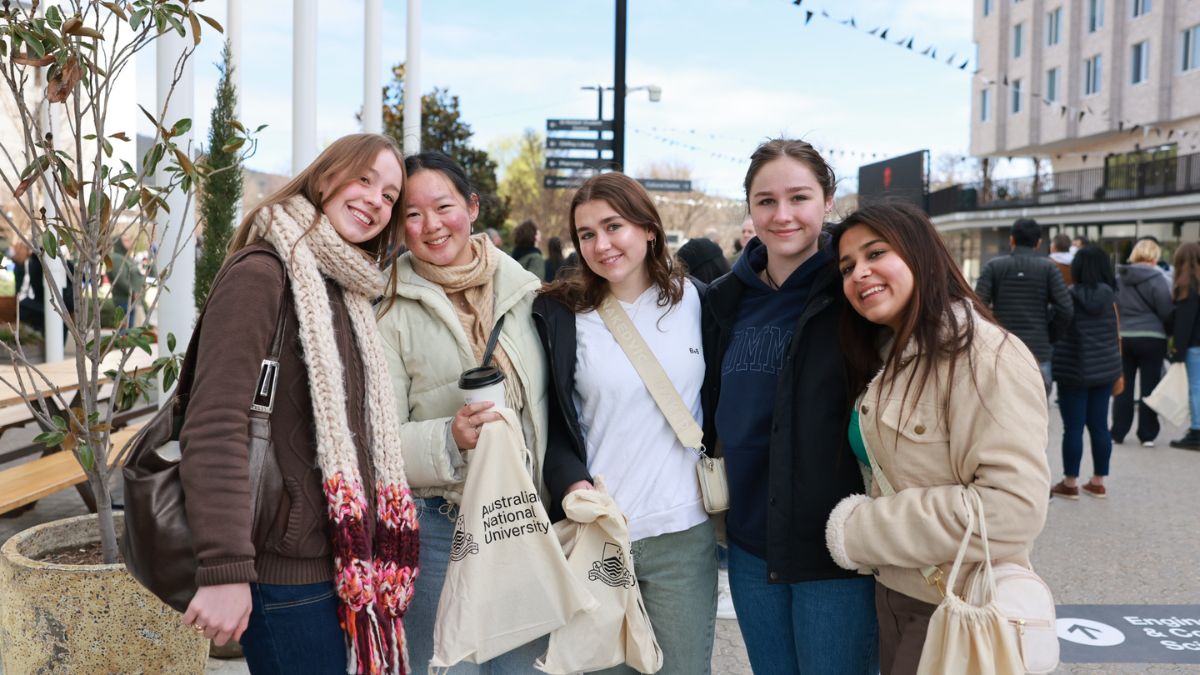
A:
(797, 2)
(910, 43)
(808, 15)
(873, 31)
(883, 35)
(927, 50)
(964, 64)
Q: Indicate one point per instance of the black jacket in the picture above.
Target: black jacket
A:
(1088, 355)
(811, 465)
(1187, 324)
(1028, 296)
(565, 462)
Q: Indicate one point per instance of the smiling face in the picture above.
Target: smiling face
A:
(613, 247)
(362, 208)
(437, 219)
(876, 280)
(788, 208)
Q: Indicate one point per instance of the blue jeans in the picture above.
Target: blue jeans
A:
(677, 575)
(1085, 406)
(823, 627)
(294, 629)
(1192, 360)
(436, 518)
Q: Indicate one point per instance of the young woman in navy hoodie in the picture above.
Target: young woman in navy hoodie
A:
(782, 405)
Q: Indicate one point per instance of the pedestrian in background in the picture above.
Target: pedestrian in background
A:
(780, 416)
(526, 238)
(1186, 294)
(947, 400)
(703, 259)
(1062, 255)
(451, 288)
(554, 259)
(1027, 293)
(1144, 306)
(1087, 362)
(604, 420)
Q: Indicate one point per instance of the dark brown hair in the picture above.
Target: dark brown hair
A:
(798, 150)
(525, 235)
(929, 319)
(1187, 272)
(583, 291)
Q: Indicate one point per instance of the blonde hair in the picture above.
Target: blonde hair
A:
(1145, 251)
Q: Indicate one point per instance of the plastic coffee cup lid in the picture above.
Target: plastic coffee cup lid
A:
(478, 378)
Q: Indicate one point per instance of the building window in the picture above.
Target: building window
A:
(1139, 66)
(1053, 26)
(1018, 34)
(985, 105)
(1052, 85)
(1095, 15)
(1016, 96)
(1191, 55)
(1091, 76)
(1140, 7)
(987, 7)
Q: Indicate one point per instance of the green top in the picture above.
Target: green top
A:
(856, 439)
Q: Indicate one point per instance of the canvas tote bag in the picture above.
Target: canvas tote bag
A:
(1170, 397)
(595, 538)
(970, 639)
(507, 582)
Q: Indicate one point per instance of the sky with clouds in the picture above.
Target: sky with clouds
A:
(732, 73)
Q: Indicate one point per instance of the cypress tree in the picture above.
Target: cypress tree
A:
(222, 190)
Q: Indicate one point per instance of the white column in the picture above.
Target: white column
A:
(54, 274)
(412, 81)
(176, 307)
(233, 33)
(372, 114)
(304, 84)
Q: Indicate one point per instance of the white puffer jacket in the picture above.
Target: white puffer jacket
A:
(427, 350)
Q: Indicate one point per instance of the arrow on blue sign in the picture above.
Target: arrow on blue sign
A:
(1083, 629)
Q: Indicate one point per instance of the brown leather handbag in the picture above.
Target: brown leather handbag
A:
(157, 543)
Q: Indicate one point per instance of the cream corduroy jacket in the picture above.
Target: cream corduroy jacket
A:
(992, 435)
(427, 350)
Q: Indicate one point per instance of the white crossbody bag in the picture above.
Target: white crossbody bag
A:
(714, 486)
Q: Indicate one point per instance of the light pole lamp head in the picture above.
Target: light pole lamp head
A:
(655, 92)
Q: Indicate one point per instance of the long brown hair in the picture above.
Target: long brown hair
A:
(1187, 271)
(929, 319)
(583, 291)
(802, 152)
(337, 166)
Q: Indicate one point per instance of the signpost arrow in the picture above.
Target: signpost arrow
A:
(660, 185)
(577, 163)
(578, 125)
(579, 144)
(1090, 632)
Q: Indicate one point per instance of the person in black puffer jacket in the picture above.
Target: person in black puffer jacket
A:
(1086, 364)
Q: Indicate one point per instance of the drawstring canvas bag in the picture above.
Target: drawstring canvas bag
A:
(507, 582)
(969, 639)
(595, 538)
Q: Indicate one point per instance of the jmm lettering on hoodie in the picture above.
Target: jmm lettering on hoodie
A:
(758, 350)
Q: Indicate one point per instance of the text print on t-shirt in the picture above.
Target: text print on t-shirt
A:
(512, 516)
(758, 350)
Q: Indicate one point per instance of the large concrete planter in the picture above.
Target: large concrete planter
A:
(84, 618)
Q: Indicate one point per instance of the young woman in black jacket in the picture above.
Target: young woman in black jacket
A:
(1086, 364)
(1186, 294)
(778, 375)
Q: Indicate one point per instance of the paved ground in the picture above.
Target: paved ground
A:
(1138, 547)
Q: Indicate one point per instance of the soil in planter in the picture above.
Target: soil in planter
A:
(88, 554)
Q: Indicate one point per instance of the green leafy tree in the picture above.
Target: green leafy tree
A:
(443, 130)
(222, 191)
(522, 186)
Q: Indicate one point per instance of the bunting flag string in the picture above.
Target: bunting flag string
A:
(829, 151)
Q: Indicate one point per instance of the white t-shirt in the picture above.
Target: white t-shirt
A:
(649, 474)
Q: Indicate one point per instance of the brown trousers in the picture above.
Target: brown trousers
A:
(903, 622)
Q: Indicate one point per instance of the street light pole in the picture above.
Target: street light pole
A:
(619, 88)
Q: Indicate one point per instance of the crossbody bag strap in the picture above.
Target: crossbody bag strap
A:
(653, 376)
(933, 575)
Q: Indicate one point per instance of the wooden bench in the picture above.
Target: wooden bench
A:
(28, 482)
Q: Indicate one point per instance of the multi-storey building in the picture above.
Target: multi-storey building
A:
(1105, 94)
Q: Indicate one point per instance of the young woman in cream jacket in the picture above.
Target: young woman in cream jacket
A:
(948, 400)
(451, 288)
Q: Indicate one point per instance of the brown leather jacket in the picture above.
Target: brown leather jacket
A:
(291, 545)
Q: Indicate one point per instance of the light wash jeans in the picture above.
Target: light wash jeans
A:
(677, 574)
(1192, 360)
(823, 627)
(436, 518)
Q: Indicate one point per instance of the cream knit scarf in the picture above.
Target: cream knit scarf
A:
(475, 281)
(374, 577)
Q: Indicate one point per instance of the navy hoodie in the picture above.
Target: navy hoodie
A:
(762, 333)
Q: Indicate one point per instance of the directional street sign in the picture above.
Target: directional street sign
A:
(579, 144)
(577, 163)
(559, 182)
(578, 125)
(658, 185)
(1129, 633)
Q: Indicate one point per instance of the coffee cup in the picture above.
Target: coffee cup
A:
(485, 383)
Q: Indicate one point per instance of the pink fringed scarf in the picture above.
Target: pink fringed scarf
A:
(374, 577)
